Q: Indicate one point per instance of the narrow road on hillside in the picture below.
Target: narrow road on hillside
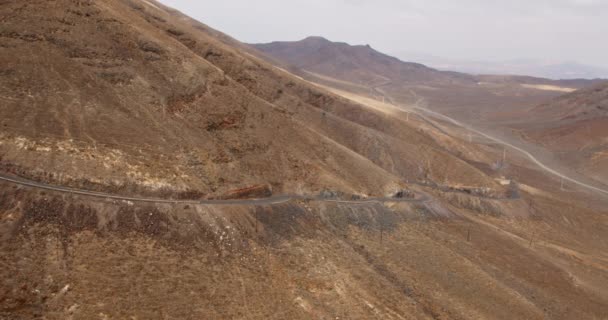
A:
(507, 144)
(422, 198)
(499, 141)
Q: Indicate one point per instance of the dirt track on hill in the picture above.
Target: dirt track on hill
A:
(528, 154)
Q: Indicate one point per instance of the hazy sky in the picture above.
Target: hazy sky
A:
(573, 30)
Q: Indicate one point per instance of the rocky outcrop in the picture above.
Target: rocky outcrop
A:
(252, 192)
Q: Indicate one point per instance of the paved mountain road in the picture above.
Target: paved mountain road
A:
(422, 198)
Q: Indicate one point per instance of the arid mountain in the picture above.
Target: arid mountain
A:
(586, 104)
(573, 125)
(133, 139)
(144, 99)
(128, 94)
(576, 126)
(360, 64)
(357, 68)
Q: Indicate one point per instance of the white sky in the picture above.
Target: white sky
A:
(561, 30)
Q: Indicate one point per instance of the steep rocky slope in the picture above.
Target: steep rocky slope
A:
(124, 93)
(74, 257)
(135, 99)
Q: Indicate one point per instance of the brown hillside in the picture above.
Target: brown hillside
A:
(356, 68)
(124, 93)
(359, 64)
(586, 104)
(132, 99)
(133, 96)
(576, 125)
(573, 123)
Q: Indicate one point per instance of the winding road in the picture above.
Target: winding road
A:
(522, 151)
(498, 141)
(278, 199)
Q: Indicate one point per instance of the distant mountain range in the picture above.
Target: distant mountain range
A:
(530, 67)
(153, 167)
(359, 67)
(357, 63)
(362, 64)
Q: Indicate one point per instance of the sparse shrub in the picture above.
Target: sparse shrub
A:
(149, 46)
(175, 32)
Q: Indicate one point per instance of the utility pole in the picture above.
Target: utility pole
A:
(504, 155)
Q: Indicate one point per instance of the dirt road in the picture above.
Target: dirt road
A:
(422, 111)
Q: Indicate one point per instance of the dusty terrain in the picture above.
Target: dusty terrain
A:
(540, 115)
(355, 68)
(198, 116)
(134, 99)
(456, 257)
(575, 126)
(127, 96)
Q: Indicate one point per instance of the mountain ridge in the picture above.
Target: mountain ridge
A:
(125, 118)
(352, 62)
